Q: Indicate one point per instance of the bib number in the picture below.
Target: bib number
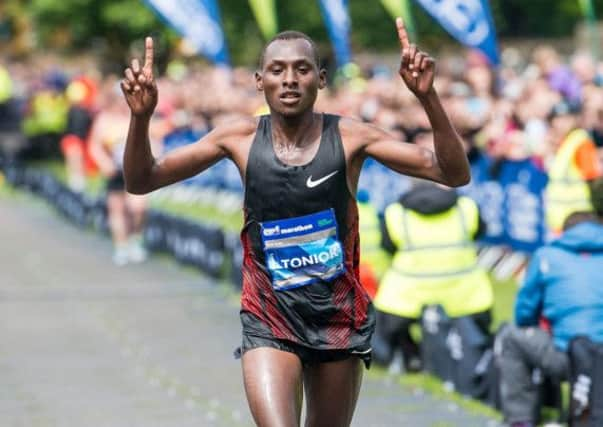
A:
(302, 250)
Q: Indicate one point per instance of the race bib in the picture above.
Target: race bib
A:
(302, 250)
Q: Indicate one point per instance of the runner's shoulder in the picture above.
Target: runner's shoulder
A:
(354, 131)
(236, 129)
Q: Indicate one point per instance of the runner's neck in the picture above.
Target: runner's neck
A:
(295, 132)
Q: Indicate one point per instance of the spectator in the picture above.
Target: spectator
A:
(563, 289)
(47, 118)
(432, 231)
(374, 260)
(11, 140)
(81, 93)
(575, 162)
(126, 212)
(6, 86)
(559, 76)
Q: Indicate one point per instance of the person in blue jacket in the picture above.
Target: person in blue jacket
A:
(563, 289)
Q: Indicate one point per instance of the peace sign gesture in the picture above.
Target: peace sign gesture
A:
(139, 86)
(417, 68)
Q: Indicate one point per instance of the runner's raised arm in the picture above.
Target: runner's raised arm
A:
(143, 173)
(448, 164)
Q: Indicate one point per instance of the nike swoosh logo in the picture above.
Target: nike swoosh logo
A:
(312, 184)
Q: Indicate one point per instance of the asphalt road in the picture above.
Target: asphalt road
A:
(86, 344)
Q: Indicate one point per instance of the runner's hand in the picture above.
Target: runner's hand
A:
(139, 86)
(417, 68)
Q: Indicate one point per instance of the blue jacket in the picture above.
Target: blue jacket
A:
(564, 283)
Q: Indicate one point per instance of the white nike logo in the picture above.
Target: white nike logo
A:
(312, 184)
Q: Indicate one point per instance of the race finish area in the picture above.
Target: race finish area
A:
(86, 343)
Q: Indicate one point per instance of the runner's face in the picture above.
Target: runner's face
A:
(290, 77)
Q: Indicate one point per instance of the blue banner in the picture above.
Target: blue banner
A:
(511, 203)
(382, 184)
(468, 21)
(337, 19)
(509, 195)
(198, 22)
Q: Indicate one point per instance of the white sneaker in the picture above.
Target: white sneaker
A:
(137, 253)
(121, 256)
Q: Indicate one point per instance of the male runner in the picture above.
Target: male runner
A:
(306, 319)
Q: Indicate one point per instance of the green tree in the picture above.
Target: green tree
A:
(111, 26)
(107, 26)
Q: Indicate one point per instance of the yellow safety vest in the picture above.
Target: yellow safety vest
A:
(566, 191)
(48, 114)
(436, 263)
(6, 86)
(371, 251)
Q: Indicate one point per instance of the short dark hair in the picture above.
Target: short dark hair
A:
(576, 218)
(564, 108)
(291, 35)
(596, 195)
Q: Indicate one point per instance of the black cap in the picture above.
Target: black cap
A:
(563, 108)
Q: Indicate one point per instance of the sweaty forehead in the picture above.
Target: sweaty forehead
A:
(289, 50)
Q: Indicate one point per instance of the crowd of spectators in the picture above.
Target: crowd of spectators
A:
(505, 113)
(521, 110)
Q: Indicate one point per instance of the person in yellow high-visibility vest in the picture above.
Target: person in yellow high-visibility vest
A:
(11, 140)
(374, 260)
(46, 118)
(574, 164)
(6, 85)
(433, 231)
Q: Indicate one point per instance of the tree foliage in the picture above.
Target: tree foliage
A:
(112, 25)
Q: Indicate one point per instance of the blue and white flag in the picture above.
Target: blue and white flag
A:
(468, 21)
(198, 22)
(337, 19)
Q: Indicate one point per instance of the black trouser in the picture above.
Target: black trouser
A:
(393, 332)
(41, 147)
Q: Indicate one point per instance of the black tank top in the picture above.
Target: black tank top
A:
(274, 190)
(285, 203)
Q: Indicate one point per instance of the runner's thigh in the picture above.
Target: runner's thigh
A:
(332, 391)
(273, 384)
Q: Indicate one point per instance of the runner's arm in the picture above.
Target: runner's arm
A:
(145, 173)
(446, 164)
